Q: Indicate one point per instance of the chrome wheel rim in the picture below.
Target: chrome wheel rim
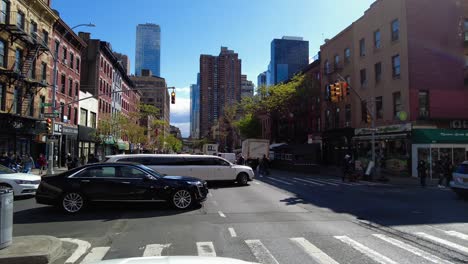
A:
(182, 199)
(243, 179)
(72, 202)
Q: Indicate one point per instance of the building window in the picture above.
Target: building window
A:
(363, 75)
(2, 96)
(423, 104)
(45, 38)
(337, 61)
(348, 80)
(42, 102)
(4, 5)
(65, 55)
(33, 30)
(337, 117)
(102, 62)
(377, 39)
(32, 70)
(93, 120)
(62, 81)
(3, 55)
(396, 66)
(395, 30)
(83, 117)
(43, 71)
(77, 89)
(57, 47)
(397, 106)
(16, 101)
(18, 56)
(378, 72)
(70, 87)
(69, 116)
(348, 115)
(327, 67)
(347, 55)
(31, 105)
(62, 111)
(379, 107)
(75, 116)
(78, 64)
(72, 60)
(20, 20)
(364, 111)
(362, 47)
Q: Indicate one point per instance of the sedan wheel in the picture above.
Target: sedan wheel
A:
(72, 202)
(182, 199)
(242, 179)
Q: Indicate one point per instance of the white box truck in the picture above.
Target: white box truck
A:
(253, 149)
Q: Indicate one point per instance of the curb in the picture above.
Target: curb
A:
(32, 250)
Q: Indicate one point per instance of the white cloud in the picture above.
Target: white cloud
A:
(184, 128)
(183, 92)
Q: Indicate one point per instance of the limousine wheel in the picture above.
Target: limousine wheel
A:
(182, 199)
(242, 179)
(73, 202)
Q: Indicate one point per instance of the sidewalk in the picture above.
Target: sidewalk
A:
(393, 180)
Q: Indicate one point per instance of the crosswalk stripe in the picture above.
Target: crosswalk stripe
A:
(444, 242)
(260, 252)
(316, 183)
(457, 234)
(414, 250)
(365, 250)
(343, 183)
(317, 254)
(326, 182)
(206, 249)
(285, 182)
(153, 250)
(96, 254)
(232, 232)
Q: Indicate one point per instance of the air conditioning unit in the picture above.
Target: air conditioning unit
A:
(65, 61)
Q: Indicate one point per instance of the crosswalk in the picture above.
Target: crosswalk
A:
(372, 248)
(316, 181)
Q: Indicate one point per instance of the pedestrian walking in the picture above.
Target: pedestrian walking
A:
(448, 170)
(28, 163)
(347, 164)
(69, 161)
(422, 172)
(42, 162)
(241, 160)
(440, 172)
(265, 163)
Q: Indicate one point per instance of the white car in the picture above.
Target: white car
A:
(459, 182)
(204, 167)
(22, 183)
(175, 260)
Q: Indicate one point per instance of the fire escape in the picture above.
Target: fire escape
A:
(22, 72)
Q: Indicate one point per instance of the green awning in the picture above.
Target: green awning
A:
(428, 136)
(122, 145)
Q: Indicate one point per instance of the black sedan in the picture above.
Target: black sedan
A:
(118, 182)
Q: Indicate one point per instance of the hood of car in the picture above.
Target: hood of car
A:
(180, 178)
(20, 176)
(175, 260)
(243, 167)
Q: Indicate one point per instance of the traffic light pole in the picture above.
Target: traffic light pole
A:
(50, 143)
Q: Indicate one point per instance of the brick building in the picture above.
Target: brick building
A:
(408, 77)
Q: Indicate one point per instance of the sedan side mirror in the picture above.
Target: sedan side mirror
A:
(149, 178)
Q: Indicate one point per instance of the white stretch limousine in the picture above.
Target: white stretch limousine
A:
(205, 167)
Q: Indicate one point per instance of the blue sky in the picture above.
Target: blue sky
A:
(193, 27)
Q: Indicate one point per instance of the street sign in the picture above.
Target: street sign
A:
(51, 115)
(46, 105)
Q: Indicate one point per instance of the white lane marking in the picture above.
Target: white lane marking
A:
(345, 183)
(260, 252)
(83, 247)
(326, 182)
(210, 195)
(221, 214)
(443, 242)
(365, 250)
(285, 182)
(232, 232)
(414, 250)
(457, 234)
(319, 184)
(96, 254)
(154, 250)
(313, 251)
(206, 249)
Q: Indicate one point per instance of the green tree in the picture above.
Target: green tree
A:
(249, 126)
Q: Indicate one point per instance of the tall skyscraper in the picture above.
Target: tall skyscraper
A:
(220, 85)
(148, 49)
(195, 109)
(262, 79)
(247, 87)
(289, 55)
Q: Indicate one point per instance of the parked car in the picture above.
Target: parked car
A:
(22, 183)
(459, 181)
(205, 167)
(118, 182)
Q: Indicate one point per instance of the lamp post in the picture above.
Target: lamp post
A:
(50, 143)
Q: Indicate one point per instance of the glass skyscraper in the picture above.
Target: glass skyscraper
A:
(195, 109)
(148, 49)
(289, 55)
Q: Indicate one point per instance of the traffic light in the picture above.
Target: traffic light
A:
(345, 87)
(333, 97)
(173, 97)
(49, 126)
(368, 119)
(338, 91)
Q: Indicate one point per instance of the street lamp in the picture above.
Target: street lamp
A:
(50, 167)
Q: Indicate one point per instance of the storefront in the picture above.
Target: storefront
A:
(68, 142)
(336, 144)
(392, 147)
(86, 142)
(433, 144)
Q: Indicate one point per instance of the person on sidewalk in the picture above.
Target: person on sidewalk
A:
(42, 162)
(448, 170)
(241, 160)
(69, 161)
(347, 163)
(422, 172)
(28, 163)
(439, 171)
(265, 163)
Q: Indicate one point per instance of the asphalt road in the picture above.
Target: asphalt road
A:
(282, 218)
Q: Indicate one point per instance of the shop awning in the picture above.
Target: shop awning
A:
(382, 136)
(123, 145)
(425, 136)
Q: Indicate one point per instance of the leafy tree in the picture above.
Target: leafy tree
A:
(249, 126)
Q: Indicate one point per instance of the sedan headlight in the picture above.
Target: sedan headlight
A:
(196, 183)
(24, 182)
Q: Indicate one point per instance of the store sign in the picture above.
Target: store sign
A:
(440, 136)
(69, 130)
(384, 129)
(459, 124)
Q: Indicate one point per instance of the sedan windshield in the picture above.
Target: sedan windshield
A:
(5, 170)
